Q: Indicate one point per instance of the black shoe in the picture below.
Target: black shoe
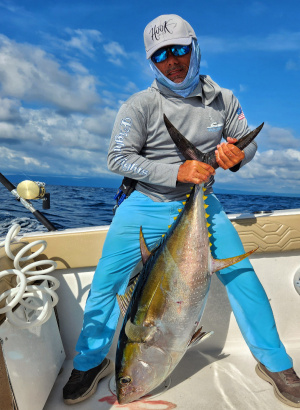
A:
(83, 385)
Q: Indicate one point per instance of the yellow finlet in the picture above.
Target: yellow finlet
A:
(210, 244)
(179, 210)
(188, 195)
(204, 197)
(209, 234)
(206, 206)
(184, 202)
(206, 216)
(204, 189)
(163, 235)
(169, 226)
(175, 217)
(207, 224)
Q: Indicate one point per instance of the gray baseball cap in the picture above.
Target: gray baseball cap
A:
(166, 30)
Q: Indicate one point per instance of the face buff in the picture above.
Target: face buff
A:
(192, 78)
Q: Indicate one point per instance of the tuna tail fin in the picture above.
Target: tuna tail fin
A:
(190, 152)
(218, 264)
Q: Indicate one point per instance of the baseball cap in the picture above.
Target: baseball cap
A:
(166, 30)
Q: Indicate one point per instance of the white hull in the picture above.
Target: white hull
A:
(218, 373)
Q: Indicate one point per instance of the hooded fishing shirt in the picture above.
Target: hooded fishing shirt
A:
(142, 149)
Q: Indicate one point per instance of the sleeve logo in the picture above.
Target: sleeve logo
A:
(240, 113)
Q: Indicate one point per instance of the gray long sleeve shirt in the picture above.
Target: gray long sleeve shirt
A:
(141, 147)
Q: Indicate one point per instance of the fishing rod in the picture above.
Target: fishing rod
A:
(28, 205)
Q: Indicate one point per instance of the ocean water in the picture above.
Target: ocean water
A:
(74, 207)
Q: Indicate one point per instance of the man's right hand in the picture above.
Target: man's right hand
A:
(195, 172)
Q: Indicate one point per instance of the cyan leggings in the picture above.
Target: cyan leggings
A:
(121, 253)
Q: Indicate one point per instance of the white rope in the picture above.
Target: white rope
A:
(46, 296)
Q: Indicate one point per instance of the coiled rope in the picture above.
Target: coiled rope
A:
(25, 276)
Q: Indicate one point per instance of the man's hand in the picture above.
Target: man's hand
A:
(228, 155)
(194, 172)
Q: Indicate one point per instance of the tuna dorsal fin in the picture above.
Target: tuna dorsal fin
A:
(198, 337)
(124, 300)
(144, 249)
(188, 150)
(218, 264)
(138, 333)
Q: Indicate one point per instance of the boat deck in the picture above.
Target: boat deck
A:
(213, 381)
(217, 374)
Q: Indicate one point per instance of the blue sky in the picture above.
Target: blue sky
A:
(66, 66)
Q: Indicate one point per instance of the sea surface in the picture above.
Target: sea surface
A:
(73, 207)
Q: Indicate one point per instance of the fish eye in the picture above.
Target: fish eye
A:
(125, 380)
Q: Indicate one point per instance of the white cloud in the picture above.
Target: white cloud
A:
(101, 122)
(130, 87)
(13, 160)
(276, 138)
(115, 52)
(77, 67)
(276, 171)
(83, 40)
(9, 109)
(65, 145)
(29, 73)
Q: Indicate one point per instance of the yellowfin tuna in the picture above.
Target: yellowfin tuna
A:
(163, 310)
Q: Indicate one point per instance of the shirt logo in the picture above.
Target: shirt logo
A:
(240, 113)
(215, 127)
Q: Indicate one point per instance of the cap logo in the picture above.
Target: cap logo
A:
(156, 31)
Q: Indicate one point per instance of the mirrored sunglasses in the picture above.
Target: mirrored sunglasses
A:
(162, 54)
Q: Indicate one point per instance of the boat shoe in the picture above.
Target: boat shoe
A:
(286, 384)
(82, 385)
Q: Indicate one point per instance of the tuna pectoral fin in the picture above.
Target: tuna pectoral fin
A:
(198, 337)
(139, 334)
(218, 264)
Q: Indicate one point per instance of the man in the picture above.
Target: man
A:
(142, 150)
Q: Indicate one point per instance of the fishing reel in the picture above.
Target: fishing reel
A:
(34, 190)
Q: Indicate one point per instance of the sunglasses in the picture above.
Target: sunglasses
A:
(162, 54)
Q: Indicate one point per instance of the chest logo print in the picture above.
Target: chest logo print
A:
(215, 127)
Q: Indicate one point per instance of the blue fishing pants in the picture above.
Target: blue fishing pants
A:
(121, 253)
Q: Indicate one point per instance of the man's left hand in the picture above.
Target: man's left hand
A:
(228, 155)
